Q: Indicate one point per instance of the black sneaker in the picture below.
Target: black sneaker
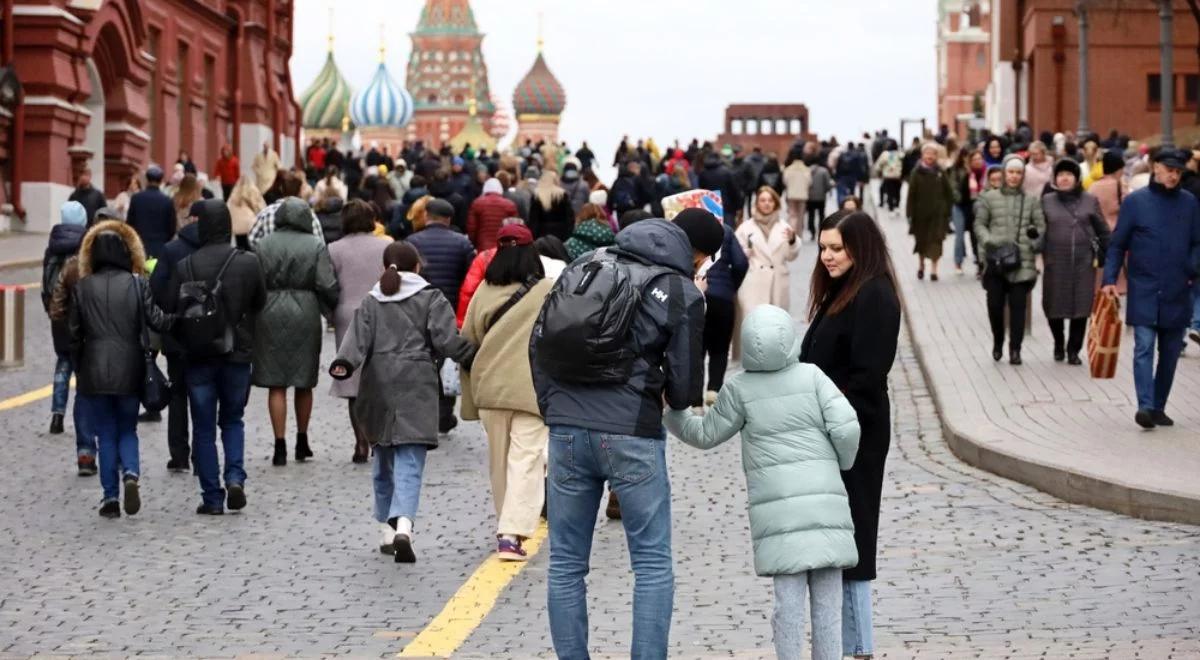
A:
(1160, 418)
(403, 549)
(149, 416)
(1145, 419)
(1060, 354)
(206, 510)
(110, 509)
(56, 423)
(176, 466)
(86, 465)
(133, 499)
(235, 497)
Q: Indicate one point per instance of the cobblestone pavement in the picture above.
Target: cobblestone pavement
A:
(971, 565)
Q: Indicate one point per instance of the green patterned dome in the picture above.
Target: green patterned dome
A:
(447, 17)
(327, 100)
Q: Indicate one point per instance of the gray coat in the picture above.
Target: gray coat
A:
(395, 341)
(1073, 220)
(358, 263)
(1005, 216)
(301, 287)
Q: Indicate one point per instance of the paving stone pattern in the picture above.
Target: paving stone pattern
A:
(971, 565)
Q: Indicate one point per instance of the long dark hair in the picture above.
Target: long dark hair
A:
(867, 246)
(514, 263)
(397, 257)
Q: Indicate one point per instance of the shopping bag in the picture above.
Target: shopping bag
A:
(451, 384)
(1104, 336)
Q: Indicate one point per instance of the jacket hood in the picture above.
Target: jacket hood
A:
(115, 234)
(191, 235)
(410, 285)
(213, 223)
(659, 242)
(333, 205)
(73, 213)
(65, 239)
(712, 161)
(293, 214)
(769, 339)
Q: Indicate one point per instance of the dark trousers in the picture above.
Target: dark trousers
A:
(816, 213)
(1001, 293)
(177, 412)
(890, 190)
(226, 191)
(718, 334)
(1074, 342)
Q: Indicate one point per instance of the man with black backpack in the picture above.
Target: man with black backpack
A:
(215, 292)
(619, 334)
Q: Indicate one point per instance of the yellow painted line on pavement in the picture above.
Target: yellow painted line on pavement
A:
(467, 608)
(32, 396)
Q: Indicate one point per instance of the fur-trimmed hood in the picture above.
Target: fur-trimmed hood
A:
(133, 243)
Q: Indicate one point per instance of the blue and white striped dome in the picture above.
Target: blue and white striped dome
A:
(382, 103)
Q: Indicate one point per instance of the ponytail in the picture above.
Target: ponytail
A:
(399, 257)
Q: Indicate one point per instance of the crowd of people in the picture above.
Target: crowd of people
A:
(569, 315)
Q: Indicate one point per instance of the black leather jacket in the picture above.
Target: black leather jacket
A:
(105, 324)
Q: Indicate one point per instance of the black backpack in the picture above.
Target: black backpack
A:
(583, 332)
(202, 327)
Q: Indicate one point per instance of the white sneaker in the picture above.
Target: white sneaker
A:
(710, 398)
(402, 543)
(387, 539)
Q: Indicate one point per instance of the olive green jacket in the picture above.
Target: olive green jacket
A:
(1004, 216)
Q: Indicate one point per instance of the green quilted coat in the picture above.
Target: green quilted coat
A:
(798, 434)
(589, 235)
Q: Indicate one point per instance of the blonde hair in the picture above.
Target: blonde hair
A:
(416, 213)
(187, 193)
(247, 194)
(548, 191)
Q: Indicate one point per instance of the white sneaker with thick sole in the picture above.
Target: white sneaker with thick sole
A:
(402, 544)
(386, 539)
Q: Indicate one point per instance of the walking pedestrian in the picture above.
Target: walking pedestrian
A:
(617, 414)
(499, 392)
(357, 259)
(487, 213)
(797, 180)
(966, 179)
(301, 288)
(86, 194)
(792, 450)
(818, 192)
(151, 214)
(216, 374)
(715, 175)
(228, 171)
(121, 203)
(404, 326)
(770, 245)
(888, 167)
(1159, 232)
(1039, 172)
(290, 186)
(724, 279)
(1010, 227)
(592, 232)
(245, 203)
(111, 307)
(550, 211)
(854, 327)
(1076, 244)
(446, 257)
(185, 195)
(930, 200)
(266, 167)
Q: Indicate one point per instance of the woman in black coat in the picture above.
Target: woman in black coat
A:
(854, 326)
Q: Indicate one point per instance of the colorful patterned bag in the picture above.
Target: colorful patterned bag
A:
(1104, 336)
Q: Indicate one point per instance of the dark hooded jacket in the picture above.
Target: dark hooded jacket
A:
(243, 289)
(152, 216)
(668, 335)
(717, 176)
(111, 303)
(59, 263)
(185, 243)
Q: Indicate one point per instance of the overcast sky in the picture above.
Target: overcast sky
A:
(668, 68)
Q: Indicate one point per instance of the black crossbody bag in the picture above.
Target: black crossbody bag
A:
(1006, 257)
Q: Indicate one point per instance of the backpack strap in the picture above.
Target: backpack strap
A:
(510, 303)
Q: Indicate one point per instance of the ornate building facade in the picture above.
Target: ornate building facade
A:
(963, 59)
(539, 100)
(445, 69)
(117, 84)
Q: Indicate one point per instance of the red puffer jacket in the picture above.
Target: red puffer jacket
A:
(485, 217)
(472, 281)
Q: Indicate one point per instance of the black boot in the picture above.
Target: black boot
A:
(303, 453)
(280, 457)
(1014, 356)
(56, 423)
(997, 350)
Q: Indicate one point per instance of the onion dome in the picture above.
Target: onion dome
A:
(324, 104)
(539, 92)
(447, 17)
(383, 103)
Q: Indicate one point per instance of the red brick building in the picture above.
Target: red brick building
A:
(117, 84)
(772, 127)
(1036, 68)
(963, 60)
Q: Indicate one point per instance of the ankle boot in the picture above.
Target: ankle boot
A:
(303, 452)
(280, 457)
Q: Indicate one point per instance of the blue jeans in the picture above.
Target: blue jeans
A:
(1196, 305)
(397, 473)
(62, 385)
(1153, 387)
(857, 636)
(960, 234)
(636, 469)
(217, 392)
(845, 188)
(114, 418)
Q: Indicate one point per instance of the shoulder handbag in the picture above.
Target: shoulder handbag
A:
(1006, 257)
(155, 392)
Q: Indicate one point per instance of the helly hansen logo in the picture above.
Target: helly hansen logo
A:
(659, 294)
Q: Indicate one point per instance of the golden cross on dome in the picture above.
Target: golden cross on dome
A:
(331, 28)
(382, 44)
(540, 42)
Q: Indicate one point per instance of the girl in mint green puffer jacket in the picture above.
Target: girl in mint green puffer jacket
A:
(798, 433)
